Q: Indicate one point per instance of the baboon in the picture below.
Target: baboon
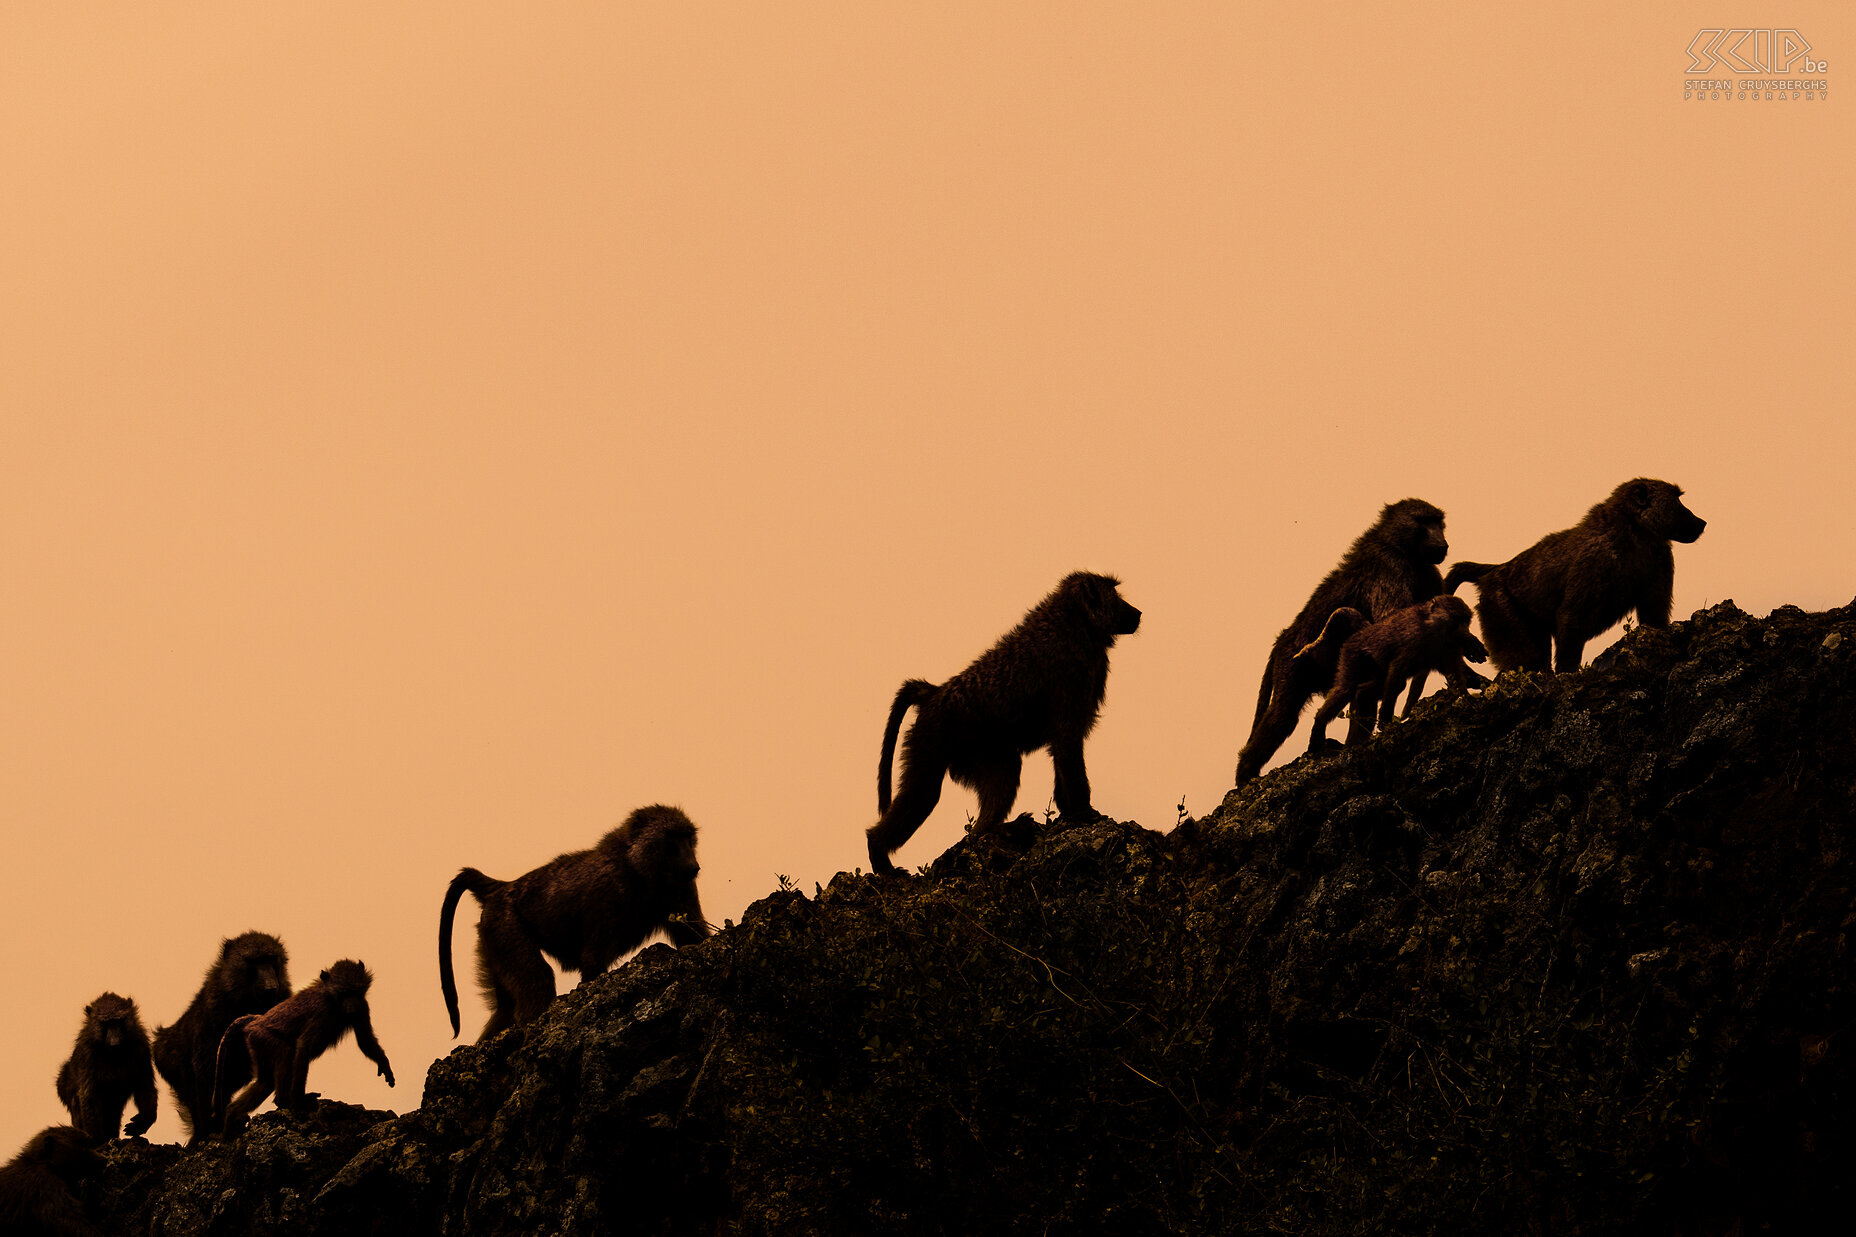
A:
(1571, 585)
(38, 1186)
(1376, 660)
(275, 1048)
(1390, 566)
(109, 1064)
(251, 975)
(584, 909)
(1041, 685)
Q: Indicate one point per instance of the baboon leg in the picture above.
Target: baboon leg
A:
(1418, 680)
(89, 1118)
(1654, 599)
(1568, 653)
(997, 783)
(921, 790)
(263, 1082)
(1512, 646)
(514, 975)
(502, 1017)
(1071, 788)
(1360, 712)
(1294, 683)
(595, 957)
(1388, 697)
(108, 1117)
(1331, 705)
(1568, 644)
(293, 1075)
(200, 1112)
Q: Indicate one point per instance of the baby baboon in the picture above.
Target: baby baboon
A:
(276, 1047)
(584, 908)
(1569, 586)
(251, 975)
(1390, 566)
(1041, 685)
(1376, 660)
(38, 1186)
(109, 1064)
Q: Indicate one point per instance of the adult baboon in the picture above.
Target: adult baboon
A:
(1571, 585)
(1376, 660)
(1041, 685)
(109, 1064)
(584, 909)
(1390, 566)
(275, 1048)
(38, 1191)
(251, 975)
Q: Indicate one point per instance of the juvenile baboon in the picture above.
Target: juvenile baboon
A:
(1376, 660)
(251, 975)
(1571, 585)
(38, 1186)
(1041, 685)
(1390, 566)
(275, 1048)
(109, 1064)
(584, 909)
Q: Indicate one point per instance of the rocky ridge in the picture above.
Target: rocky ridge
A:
(1569, 956)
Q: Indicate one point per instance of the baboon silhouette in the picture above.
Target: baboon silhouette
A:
(251, 974)
(37, 1186)
(275, 1048)
(1540, 607)
(109, 1064)
(1390, 566)
(1377, 659)
(1041, 685)
(584, 908)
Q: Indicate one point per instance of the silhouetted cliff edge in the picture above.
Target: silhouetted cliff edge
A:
(1569, 957)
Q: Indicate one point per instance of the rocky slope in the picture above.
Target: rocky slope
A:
(1572, 956)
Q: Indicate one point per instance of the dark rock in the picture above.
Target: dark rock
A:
(1570, 956)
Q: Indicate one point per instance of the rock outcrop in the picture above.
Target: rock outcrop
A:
(1571, 956)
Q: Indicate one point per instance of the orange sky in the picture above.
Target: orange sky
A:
(433, 430)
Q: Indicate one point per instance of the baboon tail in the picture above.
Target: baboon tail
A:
(232, 1056)
(1341, 624)
(912, 692)
(1466, 573)
(477, 884)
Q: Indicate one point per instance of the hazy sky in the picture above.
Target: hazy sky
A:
(432, 430)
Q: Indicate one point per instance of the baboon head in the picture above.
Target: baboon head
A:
(1450, 608)
(1416, 529)
(1101, 605)
(254, 966)
(1657, 505)
(109, 1018)
(660, 844)
(64, 1151)
(348, 981)
(1453, 610)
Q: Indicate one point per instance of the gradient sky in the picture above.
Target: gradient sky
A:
(432, 430)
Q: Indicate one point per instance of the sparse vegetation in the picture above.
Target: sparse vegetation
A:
(1570, 956)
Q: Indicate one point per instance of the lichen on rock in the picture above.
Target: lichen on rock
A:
(1571, 955)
